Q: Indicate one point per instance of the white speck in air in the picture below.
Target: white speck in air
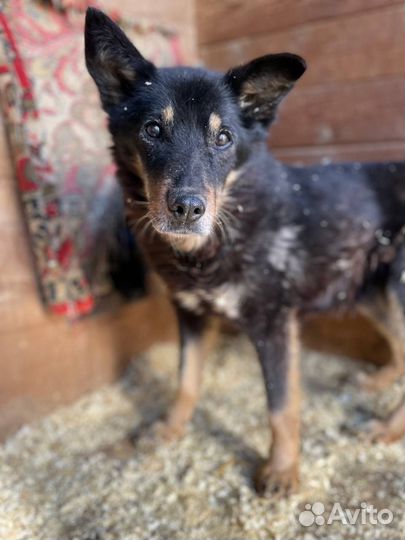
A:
(240, 208)
(315, 177)
(296, 187)
(342, 295)
(125, 108)
(147, 83)
(382, 238)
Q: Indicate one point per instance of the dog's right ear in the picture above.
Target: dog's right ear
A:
(111, 59)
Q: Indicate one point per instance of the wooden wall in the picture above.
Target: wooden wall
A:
(350, 104)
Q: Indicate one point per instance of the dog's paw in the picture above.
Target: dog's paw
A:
(386, 431)
(270, 481)
(374, 431)
(378, 381)
(165, 432)
(370, 382)
(156, 434)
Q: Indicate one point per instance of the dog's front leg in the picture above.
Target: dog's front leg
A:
(194, 341)
(278, 352)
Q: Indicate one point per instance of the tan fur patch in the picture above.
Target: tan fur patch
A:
(190, 379)
(140, 171)
(280, 470)
(214, 122)
(187, 243)
(285, 423)
(386, 314)
(232, 177)
(168, 114)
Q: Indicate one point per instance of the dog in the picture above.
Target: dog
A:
(236, 234)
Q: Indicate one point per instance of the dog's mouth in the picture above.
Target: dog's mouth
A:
(171, 230)
(182, 238)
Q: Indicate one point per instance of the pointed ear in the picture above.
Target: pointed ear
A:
(111, 59)
(261, 84)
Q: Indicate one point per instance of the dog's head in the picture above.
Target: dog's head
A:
(183, 131)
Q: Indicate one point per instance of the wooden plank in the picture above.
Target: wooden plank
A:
(175, 15)
(367, 111)
(380, 151)
(15, 256)
(9, 205)
(363, 46)
(233, 19)
(172, 13)
(54, 363)
(20, 307)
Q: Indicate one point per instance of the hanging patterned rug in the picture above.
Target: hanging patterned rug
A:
(59, 147)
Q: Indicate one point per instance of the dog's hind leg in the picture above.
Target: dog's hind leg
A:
(279, 359)
(387, 312)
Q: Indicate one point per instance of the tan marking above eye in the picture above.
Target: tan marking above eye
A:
(168, 114)
(214, 122)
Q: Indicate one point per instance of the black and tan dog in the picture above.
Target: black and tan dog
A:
(235, 233)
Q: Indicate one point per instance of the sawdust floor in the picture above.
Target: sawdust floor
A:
(68, 476)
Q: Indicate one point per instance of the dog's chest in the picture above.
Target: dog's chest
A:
(225, 300)
(219, 285)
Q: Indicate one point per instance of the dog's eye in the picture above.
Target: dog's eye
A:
(224, 138)
(153, 129)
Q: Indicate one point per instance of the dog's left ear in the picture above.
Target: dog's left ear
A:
(261, 84)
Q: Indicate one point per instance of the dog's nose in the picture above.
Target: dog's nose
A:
(187, 208)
